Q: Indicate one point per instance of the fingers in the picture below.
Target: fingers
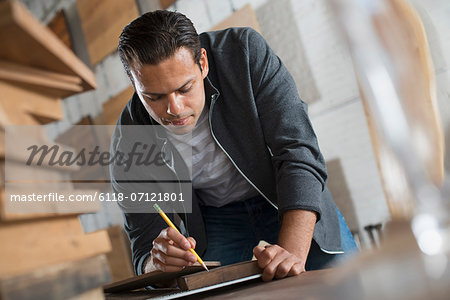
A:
(272, 258)
(265, 255)
(283, 268)
(170, 251)
(192, 241)
(296, 269)
(167, 263)
(172, 234)
(257, 252)
(277, 262)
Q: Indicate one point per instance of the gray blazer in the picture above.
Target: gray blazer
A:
(259, 121)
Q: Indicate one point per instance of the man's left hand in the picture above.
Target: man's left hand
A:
(277, 262)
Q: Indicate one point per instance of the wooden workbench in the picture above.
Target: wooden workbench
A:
(288, 288)
(398, 270)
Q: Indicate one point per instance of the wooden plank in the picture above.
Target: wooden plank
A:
(219, 275)
(20, 138)
(307, 285)
(74, 280)
(60, 84)
(244, 17)
(88, 138)
(114, 106)
(27, 42)
(58, 25)
(21, 201)
(2, 174)
(9, 115)
(154, 278)
(33, 245)
(21, 172)
(96, 294)
(142, 294)
(287, 288)
(2, 140)
(17, 101)
(31, 230)
(120, 259)
(166, 3)
(102, 22)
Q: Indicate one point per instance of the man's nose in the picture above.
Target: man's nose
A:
(174, 105)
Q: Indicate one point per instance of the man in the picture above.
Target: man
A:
(257, 171)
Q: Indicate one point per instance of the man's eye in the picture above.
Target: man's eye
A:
(153, 98)
(184, 91)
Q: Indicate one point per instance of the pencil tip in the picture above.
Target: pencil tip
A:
(204, 266)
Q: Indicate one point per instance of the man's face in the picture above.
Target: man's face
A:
(172, 91)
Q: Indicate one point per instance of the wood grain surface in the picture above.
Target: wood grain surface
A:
(102, 22)
(120, 258)
(244, 17)
(219, 275)
(58, 25)
(21, 101)
(114, 106)
(166, 3)
(59, 281)
(30, 245)
(27, 42)
(153, 278)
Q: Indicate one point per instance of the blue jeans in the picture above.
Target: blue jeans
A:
(235, 229)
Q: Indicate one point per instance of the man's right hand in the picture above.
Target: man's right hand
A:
(170, 252)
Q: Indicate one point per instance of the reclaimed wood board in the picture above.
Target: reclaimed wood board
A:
(2, 172)
(96, 294)
(166, 3)
(30, 245)
(219, 275)
(102, 22)
(43, 108)
(59, 281)
(81, 137)
(120, 259)
(14, 207)
(58, 25)
(2, 141)
(244, 17)
(9, 115)
(154, 278)
(114, 106)
(19, 138)
(289, 288)
(13, 72)
(27, 42)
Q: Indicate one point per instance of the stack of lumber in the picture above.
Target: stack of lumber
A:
(102, 22)
(44, 253)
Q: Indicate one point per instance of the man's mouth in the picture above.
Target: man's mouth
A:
(179, 122)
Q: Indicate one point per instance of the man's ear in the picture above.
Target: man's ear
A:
(204, 63)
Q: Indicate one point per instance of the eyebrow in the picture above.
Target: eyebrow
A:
(146, 93)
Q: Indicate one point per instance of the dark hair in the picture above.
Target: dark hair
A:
(156, 36)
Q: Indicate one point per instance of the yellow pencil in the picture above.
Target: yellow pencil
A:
(166, 218)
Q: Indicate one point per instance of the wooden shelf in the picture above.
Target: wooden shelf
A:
(26, 42)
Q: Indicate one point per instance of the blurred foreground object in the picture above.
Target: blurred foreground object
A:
(389, 49)
(396, 77)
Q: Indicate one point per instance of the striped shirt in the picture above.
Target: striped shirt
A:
(216, 180)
